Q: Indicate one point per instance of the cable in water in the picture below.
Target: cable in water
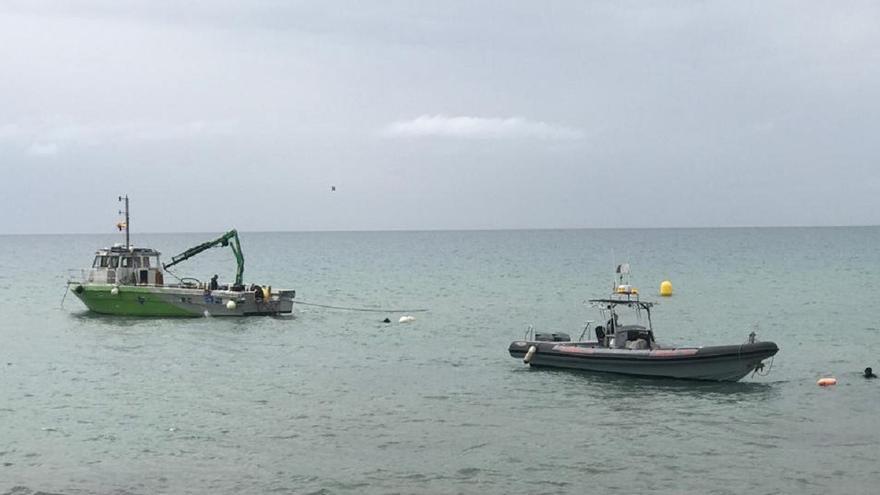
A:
(367, 310)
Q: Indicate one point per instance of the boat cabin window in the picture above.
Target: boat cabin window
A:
(146, 261)
(131, 262)
(100, 262)
(114, 261)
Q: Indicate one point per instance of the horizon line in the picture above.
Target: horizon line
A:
(500, 229)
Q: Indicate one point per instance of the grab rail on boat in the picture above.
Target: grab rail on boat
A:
(586, 328)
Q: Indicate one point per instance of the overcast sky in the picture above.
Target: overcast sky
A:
(437, 115)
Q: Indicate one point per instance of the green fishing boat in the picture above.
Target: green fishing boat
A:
(130, 281)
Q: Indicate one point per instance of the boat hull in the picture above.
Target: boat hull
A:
(128, 300)
(716, 363)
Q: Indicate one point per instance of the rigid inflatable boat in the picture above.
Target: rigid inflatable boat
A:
(632, 350)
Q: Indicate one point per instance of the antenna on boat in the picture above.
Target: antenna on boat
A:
(613, 263)
(124, 225)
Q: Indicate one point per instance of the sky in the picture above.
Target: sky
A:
(437, 115)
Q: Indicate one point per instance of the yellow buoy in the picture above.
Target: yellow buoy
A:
(666, 288)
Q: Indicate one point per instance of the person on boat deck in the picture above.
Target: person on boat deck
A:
(612, 323)
(869, 373)
(214, 285)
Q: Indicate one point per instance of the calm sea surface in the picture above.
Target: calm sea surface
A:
(335, 401)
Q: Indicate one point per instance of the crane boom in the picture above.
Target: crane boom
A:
(228, 239)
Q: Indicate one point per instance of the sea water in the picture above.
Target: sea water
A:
(333, 401)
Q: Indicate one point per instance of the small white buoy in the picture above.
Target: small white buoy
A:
(406, 319)
(529, 354)
(207, 314)
(230, 305)
(114, 291)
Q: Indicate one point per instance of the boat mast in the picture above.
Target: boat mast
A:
(127, 242)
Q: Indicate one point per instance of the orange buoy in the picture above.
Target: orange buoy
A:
(824, 382)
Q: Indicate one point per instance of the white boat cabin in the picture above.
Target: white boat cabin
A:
(126, 266)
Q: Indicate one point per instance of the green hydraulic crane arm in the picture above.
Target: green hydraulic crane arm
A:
(228, 239)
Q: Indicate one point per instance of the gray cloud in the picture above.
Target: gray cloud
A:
(46, 135)
(42, 149)
(697, 113)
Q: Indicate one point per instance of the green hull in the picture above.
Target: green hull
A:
(130, 301)
(134, 300)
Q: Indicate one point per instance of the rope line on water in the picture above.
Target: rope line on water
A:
(65, 295)
(367, 310)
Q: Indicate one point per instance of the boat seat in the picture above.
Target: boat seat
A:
(637, 344)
